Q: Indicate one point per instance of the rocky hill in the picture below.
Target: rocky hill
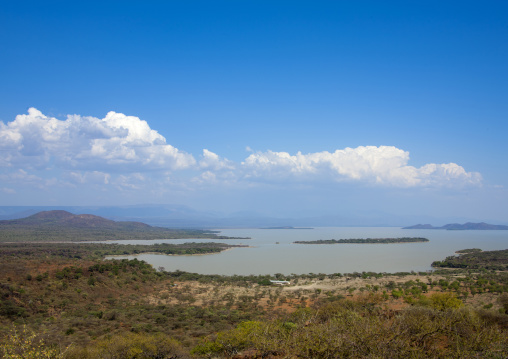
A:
(67, 219)
(61, 225)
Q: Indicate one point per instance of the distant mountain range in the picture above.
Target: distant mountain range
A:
(458, 227)
(180, 216)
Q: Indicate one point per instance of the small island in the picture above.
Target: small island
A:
(366, 240)
(287, 227)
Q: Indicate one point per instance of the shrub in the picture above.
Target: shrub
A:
(503, 300)
(396, 294)
(21, 342)
(130, 346)
(443, 301)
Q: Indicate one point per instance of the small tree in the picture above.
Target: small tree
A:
(443, 301)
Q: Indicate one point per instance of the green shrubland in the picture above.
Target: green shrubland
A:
(351, 330)
(65, 302)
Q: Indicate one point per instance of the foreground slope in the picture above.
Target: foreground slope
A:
(86, 308)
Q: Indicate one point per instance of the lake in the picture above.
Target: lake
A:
(273, 251)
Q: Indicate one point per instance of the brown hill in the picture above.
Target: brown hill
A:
(64, 218)
(61, 225)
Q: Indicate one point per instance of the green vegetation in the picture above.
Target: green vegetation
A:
(130, 346)
(348, 329)
(78, 304)
(474, 259)
(24, 343)
(62, 300)
(366, 240)
(99, 250)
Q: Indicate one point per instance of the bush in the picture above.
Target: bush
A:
(130, 346)
(396, 294)
(443, 301)
(503, 300)
(351, 330)
(21, 342)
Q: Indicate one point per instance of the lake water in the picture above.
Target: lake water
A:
(273, 251)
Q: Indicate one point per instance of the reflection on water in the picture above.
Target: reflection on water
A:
(273, 251)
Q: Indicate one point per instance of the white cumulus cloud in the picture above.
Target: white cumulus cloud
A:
(386, 165)
(115, 142)
(213, 161)
(123, 152)
(94, 177)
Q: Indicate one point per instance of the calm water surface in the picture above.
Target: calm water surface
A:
(273, 251)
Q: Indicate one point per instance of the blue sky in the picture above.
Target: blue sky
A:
(315, 107)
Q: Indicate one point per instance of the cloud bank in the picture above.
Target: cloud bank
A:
(384, 165)
(123, 151)
(116, 142)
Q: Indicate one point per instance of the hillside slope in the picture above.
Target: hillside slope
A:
(61, 225)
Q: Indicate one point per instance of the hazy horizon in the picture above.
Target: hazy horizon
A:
(286, 109)
(177, 216)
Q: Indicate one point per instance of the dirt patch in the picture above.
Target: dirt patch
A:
(303, 293)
